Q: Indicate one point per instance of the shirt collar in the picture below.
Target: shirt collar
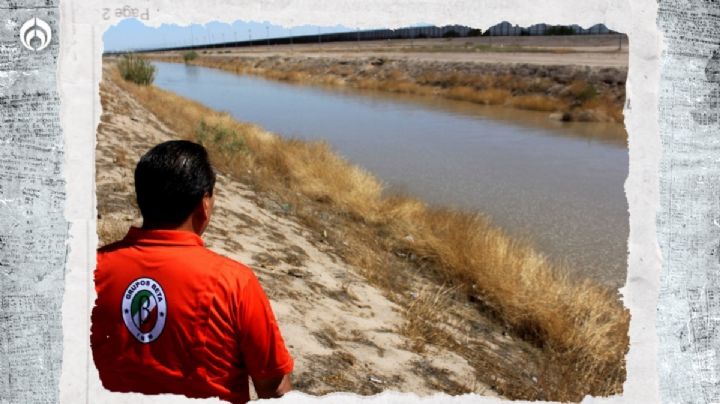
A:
(140, 236)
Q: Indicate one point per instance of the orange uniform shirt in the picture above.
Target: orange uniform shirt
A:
(171, 316)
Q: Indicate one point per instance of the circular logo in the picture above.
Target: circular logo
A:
(144, 309)
(38, 30)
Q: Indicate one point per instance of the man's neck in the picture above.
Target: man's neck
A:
(187, 225)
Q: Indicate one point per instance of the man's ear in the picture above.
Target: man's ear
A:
(201, 214)
(206, 207)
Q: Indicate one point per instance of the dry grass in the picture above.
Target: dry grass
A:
(111, 229)
(603, 107)
(580, 327)
(538, 103)
(491, 96)
(517, 91)
(423, 316)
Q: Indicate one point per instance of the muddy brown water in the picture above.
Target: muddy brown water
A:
(558, 185)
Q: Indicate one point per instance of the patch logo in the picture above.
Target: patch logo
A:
(144, 309)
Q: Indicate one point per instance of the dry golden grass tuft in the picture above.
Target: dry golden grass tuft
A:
(424, 314)
(491, 96)
(111, 229)
(539, 103)
(580, 327)
(604, 107)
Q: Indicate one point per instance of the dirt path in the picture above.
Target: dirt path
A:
(578, 50)
(592, 59)
(342, 332)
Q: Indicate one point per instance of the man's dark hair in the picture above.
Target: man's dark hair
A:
(170, 180)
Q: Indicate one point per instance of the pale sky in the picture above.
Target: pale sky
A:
(131, 34)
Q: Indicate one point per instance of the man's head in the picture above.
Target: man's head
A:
(174, 184)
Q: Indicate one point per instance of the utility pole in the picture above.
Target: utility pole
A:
(267, 36)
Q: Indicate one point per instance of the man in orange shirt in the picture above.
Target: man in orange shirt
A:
(171, 316)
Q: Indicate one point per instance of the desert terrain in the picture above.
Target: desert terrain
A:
(580, 50)
(377, 293)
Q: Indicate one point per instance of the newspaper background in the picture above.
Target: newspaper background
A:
(80, 31)
(34, 230)
(688, 227)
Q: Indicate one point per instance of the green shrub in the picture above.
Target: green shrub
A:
(226, 141)
(587, 93)
(188, 56)
(136, 69)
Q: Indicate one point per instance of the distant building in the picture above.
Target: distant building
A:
(507, 29)
(537, 29)
(599, 29)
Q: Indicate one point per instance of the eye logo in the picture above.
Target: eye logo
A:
(144, 309)
(35, 28)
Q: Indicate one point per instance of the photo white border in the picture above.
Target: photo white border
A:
(79, 70)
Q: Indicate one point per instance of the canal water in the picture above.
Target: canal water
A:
(558, 185)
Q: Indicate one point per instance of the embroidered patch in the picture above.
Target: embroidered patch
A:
(144, 309)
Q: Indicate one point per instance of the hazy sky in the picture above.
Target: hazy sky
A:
(132, 34)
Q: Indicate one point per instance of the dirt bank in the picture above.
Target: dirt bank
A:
(579, 50)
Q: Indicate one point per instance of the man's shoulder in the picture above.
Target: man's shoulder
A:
(112, 247)
(223, 267)
(229, 264)
(201, 255)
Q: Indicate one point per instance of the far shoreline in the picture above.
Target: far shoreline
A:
(566, 81)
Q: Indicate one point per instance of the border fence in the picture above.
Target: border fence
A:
(449, 31)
